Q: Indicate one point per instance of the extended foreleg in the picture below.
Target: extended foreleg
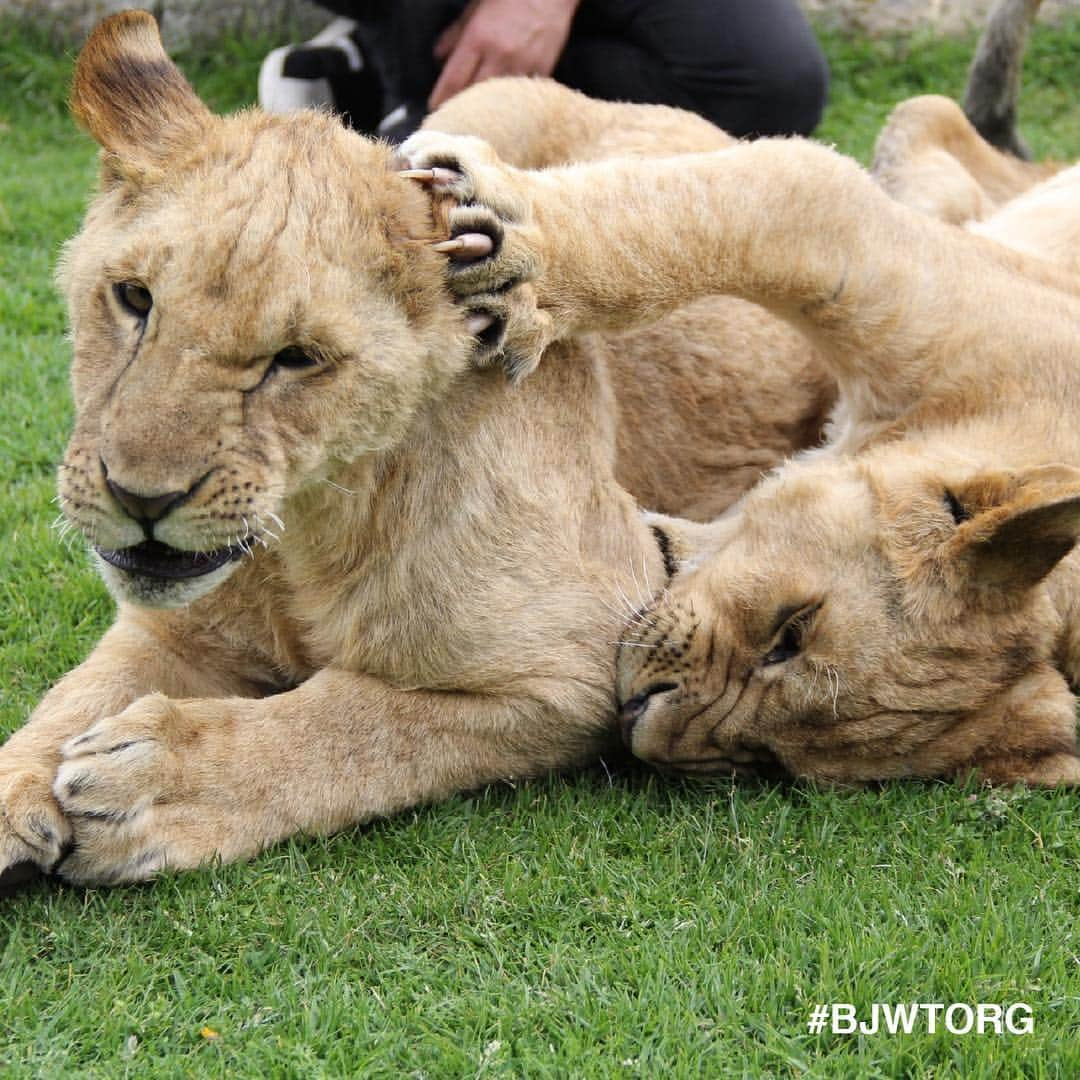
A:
(170, 783)
(903, 304)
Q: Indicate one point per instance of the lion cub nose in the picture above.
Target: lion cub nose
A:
(145, 509)
(632, 710)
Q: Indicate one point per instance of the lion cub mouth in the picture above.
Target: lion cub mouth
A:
(154, 559)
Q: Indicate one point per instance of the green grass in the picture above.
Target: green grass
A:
(580, 926)
(869, 78)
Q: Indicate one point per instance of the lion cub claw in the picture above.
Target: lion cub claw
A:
(492, 251)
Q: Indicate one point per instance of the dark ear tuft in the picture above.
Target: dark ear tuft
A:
(132, 98)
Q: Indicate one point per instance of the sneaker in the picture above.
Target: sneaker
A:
(327, 71)
(398, 124)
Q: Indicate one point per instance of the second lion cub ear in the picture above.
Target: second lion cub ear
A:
(133, 99)
(1014, 528)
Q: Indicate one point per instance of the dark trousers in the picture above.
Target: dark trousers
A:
(752, 67)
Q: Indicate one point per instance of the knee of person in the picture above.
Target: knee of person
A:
(792, 92)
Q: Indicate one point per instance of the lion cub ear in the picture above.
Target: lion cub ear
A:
(132, 99)
(1014, 528)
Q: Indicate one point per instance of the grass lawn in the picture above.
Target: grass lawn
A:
(590, 925)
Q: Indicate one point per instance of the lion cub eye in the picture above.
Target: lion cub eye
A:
(789, 636)
(134, 299)
(294, 358)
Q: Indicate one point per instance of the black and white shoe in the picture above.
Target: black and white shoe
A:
(331, 71)
(328, 72)
(398, 124)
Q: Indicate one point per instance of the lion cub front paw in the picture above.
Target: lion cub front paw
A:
(135, 791)
(33, 831)
(493, 249)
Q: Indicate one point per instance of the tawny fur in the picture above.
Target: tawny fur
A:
(901, 601)
(440, 559)
(929, 157)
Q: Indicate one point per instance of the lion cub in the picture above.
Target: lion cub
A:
(910, 609)
(357, 567)
(902, 601)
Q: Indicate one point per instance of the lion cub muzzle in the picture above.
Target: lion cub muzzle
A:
(663, 669)
(152, 571)
(152, 558)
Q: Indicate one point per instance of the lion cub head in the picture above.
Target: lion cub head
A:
(253, 308)
(863, 620)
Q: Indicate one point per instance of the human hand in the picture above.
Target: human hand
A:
(501, 37)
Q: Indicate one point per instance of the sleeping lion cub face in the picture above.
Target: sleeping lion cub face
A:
(864, 622)
(252, 306)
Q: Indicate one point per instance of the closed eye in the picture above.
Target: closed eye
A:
(793, 627)
(294, 358)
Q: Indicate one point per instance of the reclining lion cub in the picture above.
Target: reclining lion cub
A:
(356, 568)
(903, 601)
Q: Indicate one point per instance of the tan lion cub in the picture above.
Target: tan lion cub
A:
(357, 567)
(899, 603)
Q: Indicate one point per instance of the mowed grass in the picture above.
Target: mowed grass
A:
(587, 925)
